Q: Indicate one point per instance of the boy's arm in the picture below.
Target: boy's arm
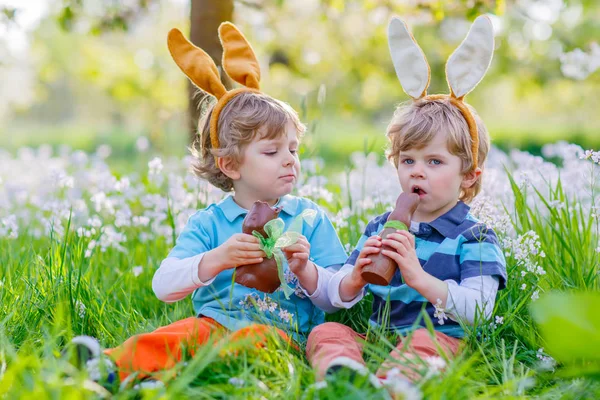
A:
(312, 278)
(352, 284)
(346, 288)
(462, 300)
(475, 293)
(430, 287)
(339, 290)
(314, 284)
(176, 278)
(177, 275)
(483, 273)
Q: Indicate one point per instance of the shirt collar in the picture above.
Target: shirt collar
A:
(232, 210)
(446, 223)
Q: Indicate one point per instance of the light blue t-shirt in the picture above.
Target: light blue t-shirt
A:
(235, 306)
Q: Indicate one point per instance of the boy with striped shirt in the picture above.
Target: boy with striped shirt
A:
(447, 261)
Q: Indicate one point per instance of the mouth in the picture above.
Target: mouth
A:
(418, 190)
(288, 177)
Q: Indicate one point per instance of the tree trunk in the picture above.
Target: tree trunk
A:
(205, 18)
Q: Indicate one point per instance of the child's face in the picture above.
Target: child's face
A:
(435, 174)
(270, 167)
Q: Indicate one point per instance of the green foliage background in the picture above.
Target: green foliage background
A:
(109, 78)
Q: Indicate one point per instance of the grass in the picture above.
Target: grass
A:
(51, 292)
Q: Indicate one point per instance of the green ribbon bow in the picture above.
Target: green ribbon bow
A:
(277, 239)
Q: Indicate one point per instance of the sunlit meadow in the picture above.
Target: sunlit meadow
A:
(79, 246)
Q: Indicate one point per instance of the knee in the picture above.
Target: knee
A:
(327, 329)
(421, 334)
(421, 342)
(254, 332)
(328, 332)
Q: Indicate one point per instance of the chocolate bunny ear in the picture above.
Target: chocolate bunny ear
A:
(239, 60)
(196, 64)
(409, 61)
(470, 61)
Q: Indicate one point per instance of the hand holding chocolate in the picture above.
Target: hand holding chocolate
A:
(262, 276)
(382, 268)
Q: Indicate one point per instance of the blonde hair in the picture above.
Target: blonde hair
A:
(416, 123)
(239, 123)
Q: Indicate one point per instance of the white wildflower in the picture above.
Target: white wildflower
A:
(546, 362)
(137, 270)
(435, 363)
(285, 315)
(237, 382)
(439, 312)
(90, 248)
(319, 385)
(397, 384)
(80, 307)
(103, 151)
(155, 166)
(142, 144)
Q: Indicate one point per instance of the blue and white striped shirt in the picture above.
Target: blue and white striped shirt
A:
(455, 246)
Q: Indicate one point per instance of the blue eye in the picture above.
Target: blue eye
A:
(408, 161)
(436, 162)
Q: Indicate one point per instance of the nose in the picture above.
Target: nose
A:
(289, 159)
(417, 171)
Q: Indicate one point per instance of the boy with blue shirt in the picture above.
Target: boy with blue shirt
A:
(249, 145)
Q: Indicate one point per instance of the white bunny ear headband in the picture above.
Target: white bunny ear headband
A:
(464, 69)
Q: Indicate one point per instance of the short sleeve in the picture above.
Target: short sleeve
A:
(482, 255)
(194, 239)
(325, 246)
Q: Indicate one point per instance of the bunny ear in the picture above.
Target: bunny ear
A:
(409, 61)
(470, 61)
(195, 63)
(239, 60)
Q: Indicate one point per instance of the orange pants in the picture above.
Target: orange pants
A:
(331, 340)
(163, 348)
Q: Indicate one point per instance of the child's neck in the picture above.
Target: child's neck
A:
(430, 217)
(246, 201)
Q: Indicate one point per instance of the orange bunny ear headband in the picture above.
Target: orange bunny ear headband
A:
(239, 62)
(464, 69)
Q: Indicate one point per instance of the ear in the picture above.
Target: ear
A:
(229, 167)
(409, 61)
(195, 63)
(239, 60)
(471, 177)
(470, 61)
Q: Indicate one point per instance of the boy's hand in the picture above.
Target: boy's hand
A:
(297, 255)
(405, 255)
(353, 283)
(240, 249)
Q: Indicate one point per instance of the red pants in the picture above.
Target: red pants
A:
(331, 340)
(163, 348)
